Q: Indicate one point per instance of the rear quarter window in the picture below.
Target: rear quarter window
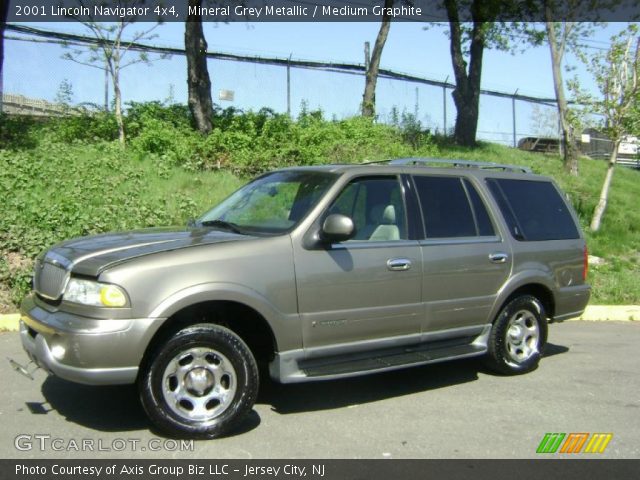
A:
(534, 210)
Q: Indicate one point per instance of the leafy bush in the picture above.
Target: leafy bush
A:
(69, 176)
(93, 127)
(19, 132)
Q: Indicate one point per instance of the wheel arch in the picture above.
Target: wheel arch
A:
(537, 287)
(246, 322)
(245, 313)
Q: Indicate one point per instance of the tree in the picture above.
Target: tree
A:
(64, 95)
(560, 37)
(198, 81)
(109, 54)
(487, 28)
(369, 96)
(615, 72)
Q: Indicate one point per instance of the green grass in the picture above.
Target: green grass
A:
(60, 189)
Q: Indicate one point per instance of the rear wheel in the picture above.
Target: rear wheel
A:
(518, 337)
(200, 383)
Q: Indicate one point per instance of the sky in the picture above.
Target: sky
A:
(37, 70)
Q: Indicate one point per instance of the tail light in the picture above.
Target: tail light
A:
(585, 263)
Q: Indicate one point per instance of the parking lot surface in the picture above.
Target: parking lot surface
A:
(587, 383)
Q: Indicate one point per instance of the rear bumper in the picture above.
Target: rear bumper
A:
(571, 302)
(84, 350)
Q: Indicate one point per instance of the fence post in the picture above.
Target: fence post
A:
(513, 113)
(444, 105)
(289, 85)
(106, 86)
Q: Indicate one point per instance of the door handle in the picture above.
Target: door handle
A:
(398, 264)
(498, 257)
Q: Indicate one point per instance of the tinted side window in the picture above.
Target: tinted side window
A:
(445, 207)
(534, 210)
(485, 227)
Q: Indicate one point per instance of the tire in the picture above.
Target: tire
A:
(200, 383)
(518, 336)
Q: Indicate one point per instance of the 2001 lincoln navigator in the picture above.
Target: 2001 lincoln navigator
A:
(317, 273)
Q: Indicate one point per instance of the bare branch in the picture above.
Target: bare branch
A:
(87, 64)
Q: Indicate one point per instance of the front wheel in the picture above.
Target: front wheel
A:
(518, 337)
(200, 383)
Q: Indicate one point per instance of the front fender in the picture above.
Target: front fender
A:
(285, 327)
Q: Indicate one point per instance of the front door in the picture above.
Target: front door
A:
(369, 287)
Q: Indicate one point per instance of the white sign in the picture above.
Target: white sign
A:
(226, 95)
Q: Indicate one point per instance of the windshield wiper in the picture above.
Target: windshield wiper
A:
(225, 225)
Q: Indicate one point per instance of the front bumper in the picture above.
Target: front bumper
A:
(85, 350)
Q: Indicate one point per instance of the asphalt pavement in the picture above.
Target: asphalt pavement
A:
(587, 383)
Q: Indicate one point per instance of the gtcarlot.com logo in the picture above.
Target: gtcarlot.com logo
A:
(574, 443)
(45, 442)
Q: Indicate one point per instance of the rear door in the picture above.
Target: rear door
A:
(465, 260)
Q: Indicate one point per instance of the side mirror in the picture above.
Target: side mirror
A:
(191, 223)
(337, 228)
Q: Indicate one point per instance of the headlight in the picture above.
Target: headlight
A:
(88, 292)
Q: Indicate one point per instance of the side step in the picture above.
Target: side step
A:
(390, 360)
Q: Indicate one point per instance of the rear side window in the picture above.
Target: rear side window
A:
(533, 210)
(451, 207)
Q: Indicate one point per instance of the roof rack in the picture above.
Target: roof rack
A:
(459, 163)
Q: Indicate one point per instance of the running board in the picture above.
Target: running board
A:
(296, 366)
(406, 358)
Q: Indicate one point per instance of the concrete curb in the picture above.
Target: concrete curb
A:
(9, 322)
(603, 313)
(593, 313)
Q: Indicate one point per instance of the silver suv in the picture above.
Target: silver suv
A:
(315, 273)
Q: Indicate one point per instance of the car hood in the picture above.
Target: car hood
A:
(92, 254)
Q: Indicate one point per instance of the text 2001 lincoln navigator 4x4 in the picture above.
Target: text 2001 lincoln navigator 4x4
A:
(317, 273)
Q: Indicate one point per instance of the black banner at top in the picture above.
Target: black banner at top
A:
(321, 10)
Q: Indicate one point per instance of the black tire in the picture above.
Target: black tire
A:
(518, 351)
(206, 367)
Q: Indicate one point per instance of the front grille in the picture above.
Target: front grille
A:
(49, 280)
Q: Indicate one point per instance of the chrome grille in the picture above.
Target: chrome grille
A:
(49, 280)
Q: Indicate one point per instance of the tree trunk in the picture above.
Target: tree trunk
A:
(369, 97)
(568, 146)
(198, 81)
(466, 95)
(4, 12)
(604, 193)
(117, 97)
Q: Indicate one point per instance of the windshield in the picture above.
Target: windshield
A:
(271, 204)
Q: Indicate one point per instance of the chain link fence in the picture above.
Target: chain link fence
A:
(37, 80)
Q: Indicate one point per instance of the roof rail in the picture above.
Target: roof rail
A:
(459, 163)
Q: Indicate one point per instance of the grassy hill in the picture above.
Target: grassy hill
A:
(61, 180)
